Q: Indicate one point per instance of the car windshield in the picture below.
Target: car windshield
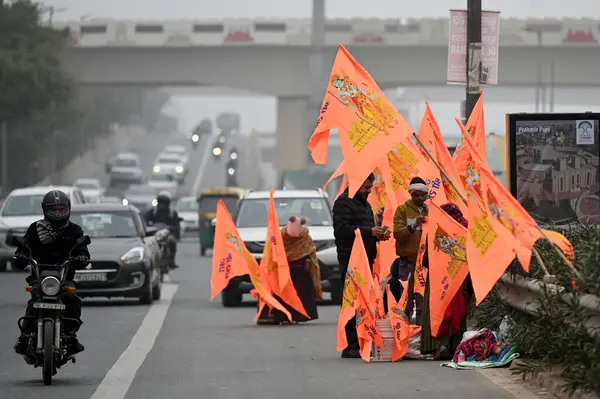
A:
(116, 224)
(23, 205)
(254, 212)
(168, 160)
(125, 162)
(187, 205)
(208, 203)
(139, 190)
(165, 177)
(86, 185)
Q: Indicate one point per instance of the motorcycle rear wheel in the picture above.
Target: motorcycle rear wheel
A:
(48, 366)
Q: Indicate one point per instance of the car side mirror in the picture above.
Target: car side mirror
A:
(150, 231)
(181, 219)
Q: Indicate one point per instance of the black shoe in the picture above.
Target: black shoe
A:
(21, 345)
(350, 354)
(74, 347)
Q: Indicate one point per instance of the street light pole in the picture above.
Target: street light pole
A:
(473, 55)
(317, 61)
(4, 143)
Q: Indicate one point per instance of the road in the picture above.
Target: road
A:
(185, 346)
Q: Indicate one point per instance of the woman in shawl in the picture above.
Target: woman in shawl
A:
(304, 270)
(454, 324)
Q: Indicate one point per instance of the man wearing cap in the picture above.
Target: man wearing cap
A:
(408, 220)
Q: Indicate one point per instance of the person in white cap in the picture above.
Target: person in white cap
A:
(408, 221)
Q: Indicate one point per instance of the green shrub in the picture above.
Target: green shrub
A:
(556, 335)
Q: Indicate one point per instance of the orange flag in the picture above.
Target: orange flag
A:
(562, 243)
(229, 256)
(386, 253)
(275, 264)
(448, 266)
(433, 176)
(401, 327)
(369, 126)
(340, 171)
(505, 208)
(238, 260)
(357, 291)
(476, 128)
(490, 247)
(421, 271)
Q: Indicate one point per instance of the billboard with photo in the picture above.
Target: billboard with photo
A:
(554, 167)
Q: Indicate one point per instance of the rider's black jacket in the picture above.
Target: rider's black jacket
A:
(165, 216)
(57, 252)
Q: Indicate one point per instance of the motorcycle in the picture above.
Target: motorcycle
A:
(195, 140)
(167, 259)
(47, 345)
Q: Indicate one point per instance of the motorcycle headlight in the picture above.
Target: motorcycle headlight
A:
(154, 202)
(233, 155)
(217, 151)
(195, 138)
(231, 171)
(213, 222)
(179, 169)
(135, 254)
(156, 169)
(125, 201)
(50, 286)
(161, 234)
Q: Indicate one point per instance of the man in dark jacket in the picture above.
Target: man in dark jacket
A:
(50, 241)
(162, 213)
(348, 215)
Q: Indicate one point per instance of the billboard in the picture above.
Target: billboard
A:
(554, 167)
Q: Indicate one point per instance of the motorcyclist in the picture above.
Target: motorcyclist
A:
(162, 213)
(50, 240)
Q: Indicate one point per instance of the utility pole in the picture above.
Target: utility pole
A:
(317, 61)
(4, 143)
(473, 54)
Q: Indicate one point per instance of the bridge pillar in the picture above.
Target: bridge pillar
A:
(291, 134)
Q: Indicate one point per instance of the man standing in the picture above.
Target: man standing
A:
(348, 215)
(408, 220)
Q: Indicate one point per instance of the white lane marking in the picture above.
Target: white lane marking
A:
(201, 170)
(119, 378)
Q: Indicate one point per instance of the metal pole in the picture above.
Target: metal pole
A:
(552, 86)
(473, 54)
(538, 85)
(4, 138)
(317, 63)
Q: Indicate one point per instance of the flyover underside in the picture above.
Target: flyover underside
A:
(284, 71)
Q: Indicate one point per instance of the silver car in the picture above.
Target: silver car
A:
(125, 169)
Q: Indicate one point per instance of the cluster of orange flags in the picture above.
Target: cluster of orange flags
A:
(375, 137)
(271, 277)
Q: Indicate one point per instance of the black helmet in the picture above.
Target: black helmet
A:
(56, 206)
(163, 200)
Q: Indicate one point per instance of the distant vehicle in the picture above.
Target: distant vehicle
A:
(160, 181)
(231, 177)
(22, 207)
(171, 163)
(228, 122)
(125, 169)
(251, 221)
(179, 150)
(205, 127)
(140, 196)
(218, 145)
(125, 255)
(187, 208)
(91, 188)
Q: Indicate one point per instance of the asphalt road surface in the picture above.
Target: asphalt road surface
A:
(186, 347)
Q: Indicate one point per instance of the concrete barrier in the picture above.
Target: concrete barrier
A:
(88, 164)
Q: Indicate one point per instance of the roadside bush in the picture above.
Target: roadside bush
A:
(556, 337)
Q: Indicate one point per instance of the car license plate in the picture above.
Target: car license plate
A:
(56, 306)
(90, 277)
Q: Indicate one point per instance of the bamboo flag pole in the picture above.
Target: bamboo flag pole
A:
(442, 171)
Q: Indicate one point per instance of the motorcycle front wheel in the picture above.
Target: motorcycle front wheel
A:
(48, 367)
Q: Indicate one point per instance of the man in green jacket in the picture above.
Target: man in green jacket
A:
(408, 221)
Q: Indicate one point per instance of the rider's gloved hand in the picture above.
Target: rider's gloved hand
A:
(81, 260)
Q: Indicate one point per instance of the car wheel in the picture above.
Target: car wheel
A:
(231, 297)
(156, 291)
(147, 296)
(337, 292)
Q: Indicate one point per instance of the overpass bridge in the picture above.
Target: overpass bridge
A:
(272, 57)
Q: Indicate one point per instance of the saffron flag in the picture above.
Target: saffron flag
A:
(368, 125)
(421, 271)
(386, 253)
(562, 243)
(476, 128)
(400, 322)
(448, 267)
(275, 265)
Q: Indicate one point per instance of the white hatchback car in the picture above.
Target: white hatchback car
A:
(170, 163)
(91, 188)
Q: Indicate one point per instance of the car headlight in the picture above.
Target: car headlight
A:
(195, 138)
(217, 151)
(179, 169)
(156, 169)
(231, 171)
(135, 254)
(154, 202)
(213, 222)
(50, 286)
(125, 201)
